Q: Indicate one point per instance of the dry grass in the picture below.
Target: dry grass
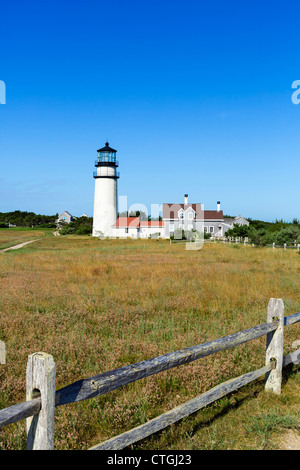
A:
(96, 306)
(10, 237)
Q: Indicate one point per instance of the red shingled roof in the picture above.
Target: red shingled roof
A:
(152, 223)
(127, 222)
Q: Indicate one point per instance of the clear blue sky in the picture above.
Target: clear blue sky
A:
(194, 95)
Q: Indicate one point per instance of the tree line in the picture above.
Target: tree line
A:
(80, 226)
(27, 219)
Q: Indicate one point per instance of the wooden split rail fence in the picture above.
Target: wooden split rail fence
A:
(42, 398)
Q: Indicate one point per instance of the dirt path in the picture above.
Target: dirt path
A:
(20, 245)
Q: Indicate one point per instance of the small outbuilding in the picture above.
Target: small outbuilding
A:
(65, 218)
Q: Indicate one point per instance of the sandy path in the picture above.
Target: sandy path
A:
(16, 247)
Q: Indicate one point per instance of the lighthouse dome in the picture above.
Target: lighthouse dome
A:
(107, 148)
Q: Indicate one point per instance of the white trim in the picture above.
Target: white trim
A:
(199, 220)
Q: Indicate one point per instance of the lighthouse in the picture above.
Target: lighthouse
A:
(106, 192)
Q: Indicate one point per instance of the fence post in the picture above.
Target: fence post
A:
(2, 352)
(40, 381)
(284, 246)
(274, 346)
(273, 245)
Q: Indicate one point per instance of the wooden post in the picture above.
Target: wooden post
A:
(273, 245)
(2, 353)
(40, 381)
(274, 347)
(284, 246)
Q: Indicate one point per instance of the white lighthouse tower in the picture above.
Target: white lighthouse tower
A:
(106, 192)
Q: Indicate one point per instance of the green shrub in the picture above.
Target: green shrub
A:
(80, 226)
(266, 233)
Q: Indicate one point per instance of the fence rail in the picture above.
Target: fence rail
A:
(229, 240)
(41, 376)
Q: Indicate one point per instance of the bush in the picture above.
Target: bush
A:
(80, 226)
(266, 233)
(288, 235)
(179, 234)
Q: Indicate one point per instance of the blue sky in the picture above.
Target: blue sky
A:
(194, 95)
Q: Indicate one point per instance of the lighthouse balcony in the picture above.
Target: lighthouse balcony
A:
(106, 174)
(106, 162)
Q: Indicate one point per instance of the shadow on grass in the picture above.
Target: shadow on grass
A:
(222, 407)
(250, 392)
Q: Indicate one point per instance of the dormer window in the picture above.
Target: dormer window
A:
(180, 214)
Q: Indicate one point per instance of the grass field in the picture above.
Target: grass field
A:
(98, 305)
(16, 235)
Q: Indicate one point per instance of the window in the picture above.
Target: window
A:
(205, 229)
(191, 215)
(126, 230)
(171, 227)
(181, 215)
(211, 229)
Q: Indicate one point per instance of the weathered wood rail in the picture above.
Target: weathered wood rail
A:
(39, 410)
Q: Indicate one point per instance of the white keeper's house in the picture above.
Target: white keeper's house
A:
(186, 216)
